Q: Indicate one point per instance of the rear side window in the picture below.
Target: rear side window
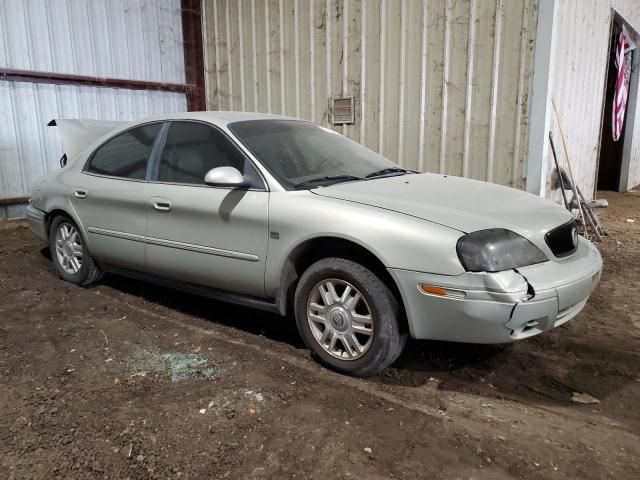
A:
(127, 154)
(192, 149)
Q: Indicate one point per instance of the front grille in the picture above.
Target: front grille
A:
(563, 240)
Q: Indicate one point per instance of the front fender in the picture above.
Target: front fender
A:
(397, 240)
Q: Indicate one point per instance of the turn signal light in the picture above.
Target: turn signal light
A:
(441, 291)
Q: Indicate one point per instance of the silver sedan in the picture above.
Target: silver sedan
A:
(291, 217)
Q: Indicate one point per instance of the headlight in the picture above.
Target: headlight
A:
(496, 250)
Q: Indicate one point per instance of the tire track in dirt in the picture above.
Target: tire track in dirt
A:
(459, 415)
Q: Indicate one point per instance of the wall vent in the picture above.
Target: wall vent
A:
(342, 110)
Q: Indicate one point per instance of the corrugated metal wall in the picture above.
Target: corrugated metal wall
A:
(129, 39)
(581, 44)
(440, 86)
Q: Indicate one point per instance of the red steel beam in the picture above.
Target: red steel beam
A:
(34, 76)
(13, 201)
(193, 55)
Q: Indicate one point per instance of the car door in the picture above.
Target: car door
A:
(205, 235)
(110, 199)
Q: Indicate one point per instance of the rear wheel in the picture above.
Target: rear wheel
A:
(70, 255)
(348, 317)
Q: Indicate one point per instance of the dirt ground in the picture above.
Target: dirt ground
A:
(127, 380)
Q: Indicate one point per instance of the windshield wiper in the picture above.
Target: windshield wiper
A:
(330, 179)
(388, 171)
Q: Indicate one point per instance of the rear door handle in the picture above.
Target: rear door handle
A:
(80, 194)
(161, 204)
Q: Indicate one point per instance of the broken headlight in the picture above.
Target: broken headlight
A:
(496, 250)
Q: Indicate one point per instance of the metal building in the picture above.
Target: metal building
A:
(460, 87)
(111, 60)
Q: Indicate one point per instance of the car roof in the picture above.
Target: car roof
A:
(220, 118)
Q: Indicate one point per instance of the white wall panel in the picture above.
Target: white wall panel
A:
(439, 85)
(129, 39)
(132, 39)
(581, 43)
(28, 148)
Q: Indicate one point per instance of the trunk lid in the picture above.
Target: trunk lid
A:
(78, 134)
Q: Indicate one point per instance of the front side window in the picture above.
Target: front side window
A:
(127, 154)
(192, 149)
(299, 153)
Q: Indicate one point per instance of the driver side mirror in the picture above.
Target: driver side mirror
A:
(225, 177)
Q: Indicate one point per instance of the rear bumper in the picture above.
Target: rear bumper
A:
(498, 307)
(36, 220)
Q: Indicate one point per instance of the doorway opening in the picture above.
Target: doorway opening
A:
(614, 155)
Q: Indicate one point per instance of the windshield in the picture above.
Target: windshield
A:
(305, 155)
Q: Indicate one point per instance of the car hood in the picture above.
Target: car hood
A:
(463, 204)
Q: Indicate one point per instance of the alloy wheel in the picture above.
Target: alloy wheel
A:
(340, 319)
(69, 248)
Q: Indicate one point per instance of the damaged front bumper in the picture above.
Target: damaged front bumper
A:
(500, 307)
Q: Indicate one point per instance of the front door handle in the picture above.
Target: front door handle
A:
(80, 194)
(161, 204)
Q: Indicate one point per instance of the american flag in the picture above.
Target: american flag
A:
(623, 66)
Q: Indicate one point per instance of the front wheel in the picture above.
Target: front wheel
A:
(348, 317)
(70, 255)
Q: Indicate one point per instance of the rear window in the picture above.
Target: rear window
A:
(127, 154)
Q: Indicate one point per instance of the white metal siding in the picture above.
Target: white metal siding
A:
(132, 39)
(440, 86)
(581, 43)
(28, 148)
(129, 39)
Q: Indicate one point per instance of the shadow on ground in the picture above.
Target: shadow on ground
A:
(544, 370)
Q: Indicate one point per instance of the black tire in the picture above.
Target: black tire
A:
(389, 338)
(89, 272)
